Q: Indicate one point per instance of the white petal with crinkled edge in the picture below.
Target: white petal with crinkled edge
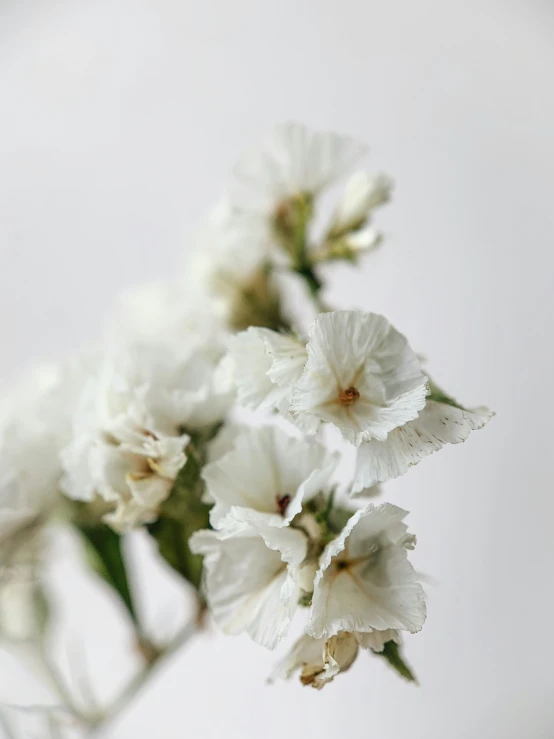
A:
(351, 349)
(292, 161)
(251, 580)
(264, 466)
(251, 364)
(378, 588)
(288, 357)
(265, 366)
(437, 424)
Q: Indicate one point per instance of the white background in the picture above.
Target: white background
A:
(119, 120)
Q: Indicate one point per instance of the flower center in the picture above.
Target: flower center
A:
(282, 503)
(349, 396)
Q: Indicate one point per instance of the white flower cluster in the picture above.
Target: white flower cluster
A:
(144, 432)
(134, 425)
(275, 542)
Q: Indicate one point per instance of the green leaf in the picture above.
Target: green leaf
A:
(307, 272)
(391, 652)
(172, 538)
(180, 516)
(106, 557)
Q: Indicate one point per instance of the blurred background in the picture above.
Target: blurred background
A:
(119, 122)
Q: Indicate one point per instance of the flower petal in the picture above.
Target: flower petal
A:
(377, 587)
(438, 424)
(292, 161)
(265, 479)
(361, 353)
(249, 585)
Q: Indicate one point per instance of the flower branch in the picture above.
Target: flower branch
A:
(255, 517)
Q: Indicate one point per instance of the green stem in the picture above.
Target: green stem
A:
(306, 271)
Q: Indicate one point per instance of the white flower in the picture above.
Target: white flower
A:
(133, 426)
(265, 365)
(362, 194)
(437, 424)
(252, 580)
(361, 375)
(265, 479)
(365, 582)
(293, 162)
(227, 269)
(35, 424)
(321, 660)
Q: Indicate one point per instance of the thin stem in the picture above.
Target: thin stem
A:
(141, 678)
(60, 687)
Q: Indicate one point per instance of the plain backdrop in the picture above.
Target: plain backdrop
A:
(119, 121)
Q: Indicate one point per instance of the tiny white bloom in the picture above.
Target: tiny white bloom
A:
(292, 162)
(265, 479)
(362, 194)
(437, 424)
(361, 375)
(252, 580)
(266, 365)
(365, 582)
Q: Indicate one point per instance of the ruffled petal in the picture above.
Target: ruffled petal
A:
(438, 424)
(265, 479)
(361, 375)
(365, 581)
(249, 585)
